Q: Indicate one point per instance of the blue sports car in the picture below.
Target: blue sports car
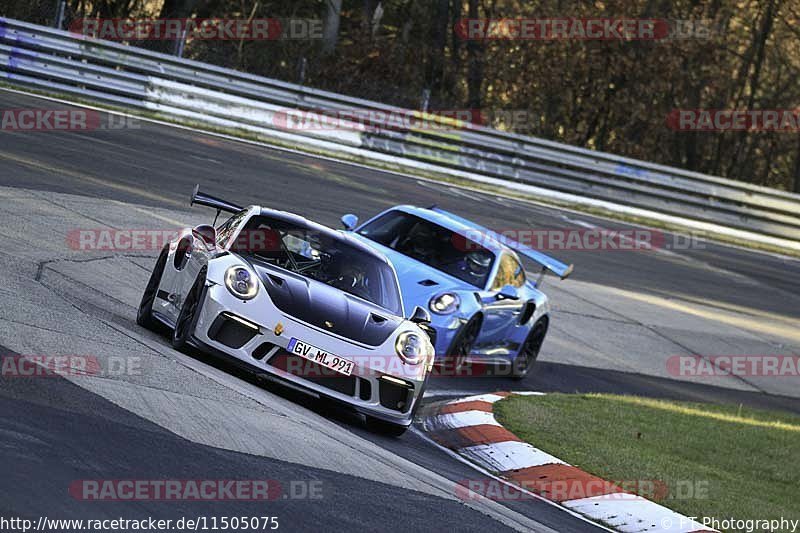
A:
(484, 308)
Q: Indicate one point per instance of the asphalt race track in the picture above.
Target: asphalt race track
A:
(615, 324)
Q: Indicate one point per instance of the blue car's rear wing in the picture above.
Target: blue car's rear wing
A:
(562, 270)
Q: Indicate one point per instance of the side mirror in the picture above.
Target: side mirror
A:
(349, 221)
(420, 316)
(508, 292)
(207, 234)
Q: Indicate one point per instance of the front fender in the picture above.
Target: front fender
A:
(447, 326)
(218, 264)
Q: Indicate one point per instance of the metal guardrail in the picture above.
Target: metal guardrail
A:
(56, 61)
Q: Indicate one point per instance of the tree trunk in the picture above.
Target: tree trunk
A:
(330, 33)
(171, 9)
(438, 38)
(474, 65)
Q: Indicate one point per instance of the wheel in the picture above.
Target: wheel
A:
(462, 343)
(144, 316)
(530, 350)
(187, 318)
(376, 425)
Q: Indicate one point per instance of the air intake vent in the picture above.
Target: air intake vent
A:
(261, 352)
(232, 331)
(527, 312)
(428, 283)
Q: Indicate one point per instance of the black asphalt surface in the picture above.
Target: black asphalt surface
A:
(54, 433)
(158, 166)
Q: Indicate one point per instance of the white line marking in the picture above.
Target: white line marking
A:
(511, 455)
(464, 419)
(491, 398)
(630, 513)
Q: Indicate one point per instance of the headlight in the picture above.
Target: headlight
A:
(241, 282)
(413, 348)
(445, 303)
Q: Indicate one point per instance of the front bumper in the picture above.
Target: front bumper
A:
(381, 385)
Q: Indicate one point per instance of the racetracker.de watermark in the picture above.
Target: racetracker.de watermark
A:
(75, 120)
(45, 366)
(579, 239)
(251, 490)
(582, 29)
(721, 120)
(363, 119)
(214, 29)
(572, 489)
(154, 239)
(707, 366)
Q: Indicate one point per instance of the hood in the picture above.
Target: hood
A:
(326, 307)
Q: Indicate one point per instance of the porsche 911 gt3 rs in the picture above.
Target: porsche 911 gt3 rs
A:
(485, 308)
(298, 302)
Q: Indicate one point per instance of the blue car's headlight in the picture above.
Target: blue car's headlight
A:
(445, 303)
(413, 348)
(241, 282)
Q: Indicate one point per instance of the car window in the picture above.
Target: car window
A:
(509, 272)
(322, 257)
(433, 245)
(229, 227)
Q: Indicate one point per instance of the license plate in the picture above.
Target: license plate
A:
(321, 357)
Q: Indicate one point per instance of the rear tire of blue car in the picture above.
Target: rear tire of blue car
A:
(187, 318)
(144, 315)
(529, 351)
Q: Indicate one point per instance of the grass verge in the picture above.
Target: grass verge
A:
(715, 460)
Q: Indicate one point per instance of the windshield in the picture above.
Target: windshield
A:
(434, 245)
(321, 257)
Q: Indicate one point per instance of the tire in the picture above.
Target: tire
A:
(462, 344)
(190, 310)
(529, 351)
(382, 427)
(144, 316)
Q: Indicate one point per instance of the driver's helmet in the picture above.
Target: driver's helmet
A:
(423, 241)
(478, 263)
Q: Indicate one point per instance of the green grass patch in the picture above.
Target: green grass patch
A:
(716, 460)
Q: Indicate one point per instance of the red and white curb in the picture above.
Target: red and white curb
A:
(469, 428)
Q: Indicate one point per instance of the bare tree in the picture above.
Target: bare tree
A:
(330, 32)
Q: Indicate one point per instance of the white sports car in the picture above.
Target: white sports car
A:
(298, 302)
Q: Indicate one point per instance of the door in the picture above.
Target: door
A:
(502, 315)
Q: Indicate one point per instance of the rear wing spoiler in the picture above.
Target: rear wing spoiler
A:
(548, 263)
(201, 198)
(562, 270)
